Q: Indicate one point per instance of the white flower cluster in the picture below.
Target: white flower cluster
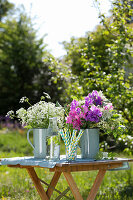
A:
(106, 114)
(81, 102)
(23, 99)
(22, 115)
(127, 140)
(37, 116)
(10, 114)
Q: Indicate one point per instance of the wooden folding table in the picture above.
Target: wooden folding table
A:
(66, 168)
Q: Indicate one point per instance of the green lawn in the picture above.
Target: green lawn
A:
(16, 184)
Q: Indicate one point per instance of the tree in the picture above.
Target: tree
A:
(5, 7)
(80, 50)
(102, 55)
(24, 64)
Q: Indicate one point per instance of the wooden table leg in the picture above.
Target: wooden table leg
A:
(96, 184)
(73, 186)
(53, 183)
(37, 183)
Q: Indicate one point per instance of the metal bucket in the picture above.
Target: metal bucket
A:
(45, 144)
(39, 142)
(89, 143)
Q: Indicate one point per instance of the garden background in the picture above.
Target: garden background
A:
(101, 60)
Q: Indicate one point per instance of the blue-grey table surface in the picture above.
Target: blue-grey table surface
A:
(31, 161)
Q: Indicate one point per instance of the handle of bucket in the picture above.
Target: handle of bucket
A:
(28, 138)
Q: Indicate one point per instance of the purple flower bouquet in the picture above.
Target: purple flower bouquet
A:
(94, 111)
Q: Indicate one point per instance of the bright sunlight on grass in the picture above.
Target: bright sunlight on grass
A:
(16, 184)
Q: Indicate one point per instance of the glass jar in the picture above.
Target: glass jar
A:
(53, 147)
(53, 140)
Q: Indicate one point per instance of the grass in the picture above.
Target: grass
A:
(16, 184)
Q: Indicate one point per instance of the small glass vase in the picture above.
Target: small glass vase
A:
(53, 147)
(71, 153)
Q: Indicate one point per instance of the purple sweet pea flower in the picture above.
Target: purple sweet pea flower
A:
(98, 101)
(96, 110)
(94, 114)
(93, 98)
(78, 110)
(94, 93)
(85, 109)
(92, 117)
(88, 101)
(74, 104)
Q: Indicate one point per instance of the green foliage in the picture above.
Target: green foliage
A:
(20, 57)
(24, 64)
(98, 61)
(5, 7)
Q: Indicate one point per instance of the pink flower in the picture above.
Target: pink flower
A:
(77, 117)
(85, 108)
(82, 115)
(69, 120)
(108, 107)
(74, 118)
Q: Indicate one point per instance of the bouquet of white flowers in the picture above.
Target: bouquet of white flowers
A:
(37, 115)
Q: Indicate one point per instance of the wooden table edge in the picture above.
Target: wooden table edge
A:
(97, 162)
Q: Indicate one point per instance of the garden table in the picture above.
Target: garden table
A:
(65, 167)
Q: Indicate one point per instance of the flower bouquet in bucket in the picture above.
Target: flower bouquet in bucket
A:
(94, 112)
(44, 119)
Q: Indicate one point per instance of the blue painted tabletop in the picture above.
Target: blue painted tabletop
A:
(31, 161)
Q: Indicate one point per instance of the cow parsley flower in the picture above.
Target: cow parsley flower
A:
(37, 115)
